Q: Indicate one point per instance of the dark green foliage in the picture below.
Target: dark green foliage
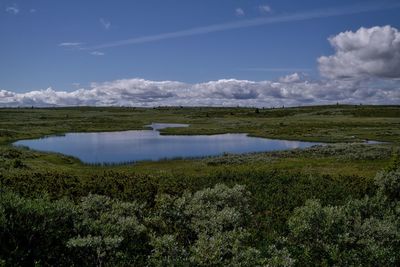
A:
(11, 153)
(209, 227)
(388, 184)
(109, 231)
(18, 164)
(275, 194)
(363, 232)
(394, 161)
(35, 231)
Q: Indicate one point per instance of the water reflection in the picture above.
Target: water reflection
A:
(128, 146)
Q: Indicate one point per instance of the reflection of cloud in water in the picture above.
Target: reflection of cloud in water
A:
(292, 144)
(159, 126)
(128, 146)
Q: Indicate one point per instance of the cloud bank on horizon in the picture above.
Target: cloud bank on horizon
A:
(365, 68)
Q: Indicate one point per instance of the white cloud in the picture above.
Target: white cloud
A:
(375, 82)
(14, 10)
(265, 9)
(105, 23)
(291, 90)
(367, 52)
(32, 10)
(291, 78)
(239, 12)
(97, 53)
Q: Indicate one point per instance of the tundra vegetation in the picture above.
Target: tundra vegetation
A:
(336, 204)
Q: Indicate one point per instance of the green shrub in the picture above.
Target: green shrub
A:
(207, 228)
(362, 232)
(35, 230)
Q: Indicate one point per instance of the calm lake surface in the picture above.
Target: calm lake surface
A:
(129, 146)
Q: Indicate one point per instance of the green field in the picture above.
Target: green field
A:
(273, 207)
(315, 123)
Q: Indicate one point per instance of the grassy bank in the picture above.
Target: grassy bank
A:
(316, 123)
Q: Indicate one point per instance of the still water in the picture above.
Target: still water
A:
(130, 146)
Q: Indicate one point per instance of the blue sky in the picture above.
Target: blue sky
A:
(67, 45)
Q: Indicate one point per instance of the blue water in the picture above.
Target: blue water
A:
(129, 146)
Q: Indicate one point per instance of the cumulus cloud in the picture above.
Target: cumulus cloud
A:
(367, 52)
(228, 89)
(291, 90)
(239, 12)
(291, 78)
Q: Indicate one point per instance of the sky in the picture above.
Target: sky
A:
(184, 52)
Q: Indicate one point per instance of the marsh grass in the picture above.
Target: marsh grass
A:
(315, 123)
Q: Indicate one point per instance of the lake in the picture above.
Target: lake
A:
(140, 145)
